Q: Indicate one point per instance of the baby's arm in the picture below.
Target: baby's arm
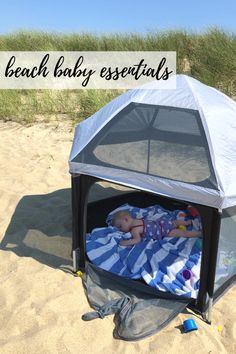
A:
(136, 238)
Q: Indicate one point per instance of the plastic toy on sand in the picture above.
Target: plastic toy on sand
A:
(189, 325)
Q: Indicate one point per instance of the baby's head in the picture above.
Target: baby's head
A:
(122, 220)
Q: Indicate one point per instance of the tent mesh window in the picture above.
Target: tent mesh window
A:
(226, 259)
(156, 140)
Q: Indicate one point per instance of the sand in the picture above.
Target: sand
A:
(41, 303)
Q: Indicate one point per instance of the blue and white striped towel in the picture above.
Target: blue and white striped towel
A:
(161, 263)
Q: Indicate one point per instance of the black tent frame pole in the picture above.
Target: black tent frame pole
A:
(215, 235)
(80, 187)
(75, 210)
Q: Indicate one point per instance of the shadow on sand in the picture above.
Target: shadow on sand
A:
(41, 226)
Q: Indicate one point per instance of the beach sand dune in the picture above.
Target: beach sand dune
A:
(41, 303)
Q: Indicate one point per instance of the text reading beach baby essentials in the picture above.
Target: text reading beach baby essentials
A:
(73, 70)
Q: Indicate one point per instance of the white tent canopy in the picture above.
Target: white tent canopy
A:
(179, 143)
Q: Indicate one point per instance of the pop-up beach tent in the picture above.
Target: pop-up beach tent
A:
(173, 147)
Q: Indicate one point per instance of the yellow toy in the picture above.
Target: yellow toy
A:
(181, 227)
(219, 328)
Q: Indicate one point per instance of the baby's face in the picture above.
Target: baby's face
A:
(124, 223)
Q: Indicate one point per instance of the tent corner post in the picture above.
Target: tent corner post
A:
(215, 235)
(80, 189)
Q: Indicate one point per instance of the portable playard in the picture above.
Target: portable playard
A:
(174, 148)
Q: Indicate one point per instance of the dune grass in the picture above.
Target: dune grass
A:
(211, 57)
(30, 106)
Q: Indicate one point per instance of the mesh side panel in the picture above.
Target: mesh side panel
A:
(226, 259)
(146, 311)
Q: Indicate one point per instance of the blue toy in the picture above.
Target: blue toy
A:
(189, 325)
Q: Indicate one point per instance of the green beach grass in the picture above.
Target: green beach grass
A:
(209, 57)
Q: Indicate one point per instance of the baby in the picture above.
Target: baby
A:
(155, 229)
